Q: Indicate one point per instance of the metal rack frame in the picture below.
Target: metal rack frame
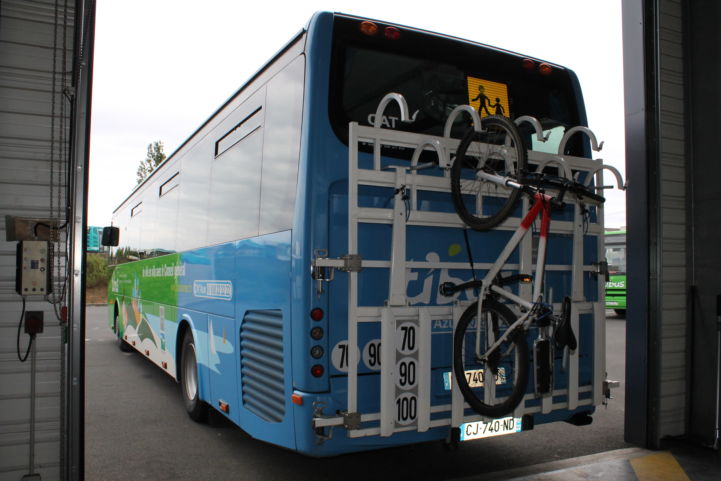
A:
(397, 315)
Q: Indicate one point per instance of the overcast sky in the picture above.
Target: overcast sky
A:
(162, 67)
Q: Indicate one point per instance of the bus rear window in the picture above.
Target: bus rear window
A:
(435, 74)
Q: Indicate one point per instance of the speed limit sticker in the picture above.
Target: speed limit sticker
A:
(340, 356)
(406, 408)
(372, 354)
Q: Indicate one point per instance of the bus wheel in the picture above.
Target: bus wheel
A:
(124, 346)
(620, 312)
(189, 386)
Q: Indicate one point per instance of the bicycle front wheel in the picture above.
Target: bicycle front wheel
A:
(498, 149)
(493, 384)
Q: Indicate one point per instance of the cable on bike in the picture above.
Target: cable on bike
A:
(470, 255)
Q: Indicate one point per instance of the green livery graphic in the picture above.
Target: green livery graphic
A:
(146, 293)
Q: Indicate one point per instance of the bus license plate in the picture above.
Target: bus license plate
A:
(474, 378)
(487, 429)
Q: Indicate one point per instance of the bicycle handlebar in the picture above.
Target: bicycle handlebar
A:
(563, 185)
(531, 183)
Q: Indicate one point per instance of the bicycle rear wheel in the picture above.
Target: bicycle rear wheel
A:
(482, 205)
(508, 362)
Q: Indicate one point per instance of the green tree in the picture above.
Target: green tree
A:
(153, 158)
(97, 270)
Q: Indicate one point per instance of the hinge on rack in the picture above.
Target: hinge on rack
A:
(351, 263)
(322, 268)
(351, 420)
(319, 273)
(321, 435)
(607, 386)
(601, 269)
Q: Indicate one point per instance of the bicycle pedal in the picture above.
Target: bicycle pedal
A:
(543, 366)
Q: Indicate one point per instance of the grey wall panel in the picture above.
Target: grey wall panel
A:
(34, 139)
(673, 225)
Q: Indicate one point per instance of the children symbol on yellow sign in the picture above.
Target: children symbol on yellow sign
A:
(480, 93)
(498, 108)
(484, 100)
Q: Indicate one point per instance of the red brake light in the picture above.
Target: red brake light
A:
(545, 69)
(528, 64)
(392, 33)
(368, 28)
(316, 314)
(317, 370)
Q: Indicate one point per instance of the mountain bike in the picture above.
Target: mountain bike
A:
(491, 357)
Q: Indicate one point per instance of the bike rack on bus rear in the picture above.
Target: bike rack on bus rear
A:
(397, 315)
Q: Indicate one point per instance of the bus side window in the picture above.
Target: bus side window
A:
(234, 202)
(281, 147)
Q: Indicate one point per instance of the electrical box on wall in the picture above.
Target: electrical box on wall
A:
(33, 268)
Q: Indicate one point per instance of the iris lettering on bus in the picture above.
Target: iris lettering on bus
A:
(423, 284)
(222, 290)
(164, 271)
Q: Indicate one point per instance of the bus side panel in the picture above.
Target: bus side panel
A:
(147, 308)
(244, 286)
(219, 292)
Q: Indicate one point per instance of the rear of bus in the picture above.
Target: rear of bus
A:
(352, 63)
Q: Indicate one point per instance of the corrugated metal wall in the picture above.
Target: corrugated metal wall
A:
(36, 58)
(672, 228)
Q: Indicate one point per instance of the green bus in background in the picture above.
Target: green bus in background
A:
(616, 283)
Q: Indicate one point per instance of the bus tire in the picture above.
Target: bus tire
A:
(189, 386)
(620, 312)
(124, 346)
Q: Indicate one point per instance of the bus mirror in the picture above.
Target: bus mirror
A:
(111, 236)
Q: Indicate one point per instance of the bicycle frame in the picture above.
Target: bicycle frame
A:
(542, 207)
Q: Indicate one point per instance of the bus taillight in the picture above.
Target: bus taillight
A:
(317, 370)
(545, 69)
(368, 28)
(392, 33)
(316, 314)
(528, 64)
(316, 333)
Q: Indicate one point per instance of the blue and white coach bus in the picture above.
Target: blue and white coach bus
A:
(284, 264)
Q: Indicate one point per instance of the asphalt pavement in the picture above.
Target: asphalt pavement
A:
(136, 428)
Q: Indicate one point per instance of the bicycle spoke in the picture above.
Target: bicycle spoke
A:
(493, 383)
(498, 149)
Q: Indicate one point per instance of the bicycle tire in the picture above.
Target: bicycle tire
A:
(499, 137)
(512, 356)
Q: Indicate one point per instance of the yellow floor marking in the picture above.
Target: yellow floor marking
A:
(658, 467)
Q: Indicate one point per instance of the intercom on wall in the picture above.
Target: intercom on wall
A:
(33, 268)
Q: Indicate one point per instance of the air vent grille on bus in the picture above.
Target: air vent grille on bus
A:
(261, 364)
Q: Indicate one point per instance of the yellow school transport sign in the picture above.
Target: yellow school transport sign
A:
(488, 98)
